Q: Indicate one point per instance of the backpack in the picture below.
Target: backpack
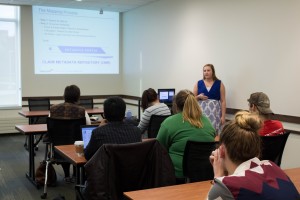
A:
(40, 174)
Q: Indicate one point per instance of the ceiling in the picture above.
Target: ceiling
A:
(105, 5)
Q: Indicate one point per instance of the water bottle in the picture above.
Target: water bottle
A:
(128, 114)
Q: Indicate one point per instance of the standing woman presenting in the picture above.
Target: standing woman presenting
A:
(210, 93)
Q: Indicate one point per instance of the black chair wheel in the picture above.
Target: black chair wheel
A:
(36, 148)
(44, 196)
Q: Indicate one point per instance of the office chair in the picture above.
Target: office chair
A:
(35, 104)
(196, 165)
(154, 124)
(117, 168)
(61, 132)
(273, 147)
(86, 103)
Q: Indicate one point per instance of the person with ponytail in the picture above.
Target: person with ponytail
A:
(151, 106)
(239, 174)
(187, 124)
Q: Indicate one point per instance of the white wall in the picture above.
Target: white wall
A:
(254, 46)
(290, 157)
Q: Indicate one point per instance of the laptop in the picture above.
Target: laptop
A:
(86, 132)
(166, 95)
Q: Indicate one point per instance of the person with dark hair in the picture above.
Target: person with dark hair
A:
(259, 103)
(239, 174)
(151, 106)
(210, 92)
(69, 109)
(112, 129)
(187, 124)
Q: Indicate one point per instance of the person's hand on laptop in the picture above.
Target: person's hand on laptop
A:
(103, 122)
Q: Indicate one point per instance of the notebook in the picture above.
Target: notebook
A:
(86, 132)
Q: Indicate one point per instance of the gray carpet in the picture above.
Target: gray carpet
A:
(14, 163)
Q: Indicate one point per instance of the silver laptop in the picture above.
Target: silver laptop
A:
(86, 132)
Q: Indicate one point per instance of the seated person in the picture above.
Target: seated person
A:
(188, 124)
(69, 110)
(151, 106)
(259, 103)
(112, 129)
(239, 174)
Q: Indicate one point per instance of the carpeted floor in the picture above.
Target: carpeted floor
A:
(14, 163)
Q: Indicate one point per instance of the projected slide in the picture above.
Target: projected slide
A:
(73, 41)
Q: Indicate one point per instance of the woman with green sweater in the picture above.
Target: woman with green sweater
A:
(187, 124)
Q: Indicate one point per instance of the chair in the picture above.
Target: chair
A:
(35, 104)
(154, 124)
(273, 147)
(196, 165)
(87, 103)
(117, 168)
(61, 132)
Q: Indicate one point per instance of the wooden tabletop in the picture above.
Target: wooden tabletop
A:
(68, 152)
(294, 175)
(32, 128)
(94, 111)
(37, 113)
(191, 191)
(44, 113)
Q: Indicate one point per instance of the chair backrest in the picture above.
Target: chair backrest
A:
(117, 168)
(86, 102)
(154, 124)
(273, 147)
(196, 165)
(64, 131)
(38, 104)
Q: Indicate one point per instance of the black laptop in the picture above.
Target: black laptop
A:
(166, 95)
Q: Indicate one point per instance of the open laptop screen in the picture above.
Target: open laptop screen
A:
(166, 95)
(86, 132)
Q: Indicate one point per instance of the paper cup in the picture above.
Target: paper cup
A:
(79, 148)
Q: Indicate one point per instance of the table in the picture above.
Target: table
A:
(45, 113)
(68, 152)
(294, 175)
(192, 191)
(31, 131)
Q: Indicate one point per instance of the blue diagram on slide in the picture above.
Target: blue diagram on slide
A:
(88, 50)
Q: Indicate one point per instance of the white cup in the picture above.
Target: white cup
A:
(79, 148)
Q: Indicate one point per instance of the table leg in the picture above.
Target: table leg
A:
(80, 175)
(31, 174)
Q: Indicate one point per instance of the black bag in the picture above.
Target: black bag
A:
(40, 174)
